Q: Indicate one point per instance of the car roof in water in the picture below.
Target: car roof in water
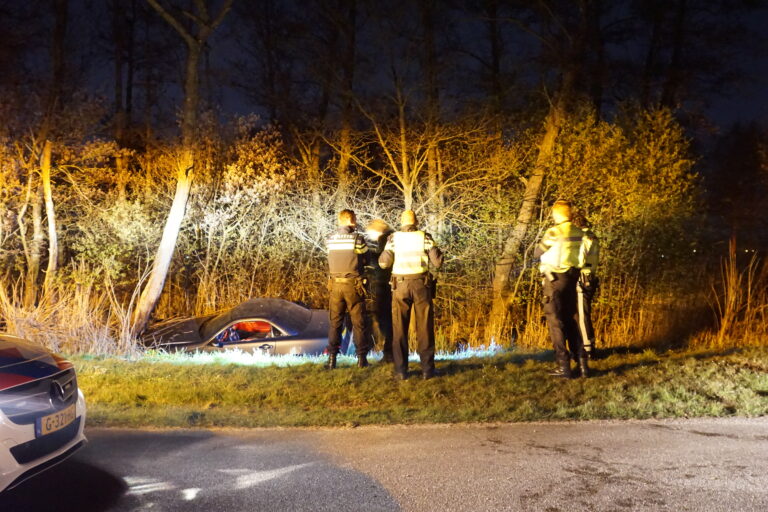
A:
(288, 315)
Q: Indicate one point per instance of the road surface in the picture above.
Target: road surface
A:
(640, 465)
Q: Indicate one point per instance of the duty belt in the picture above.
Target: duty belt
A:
(346, 280)
(408, 277)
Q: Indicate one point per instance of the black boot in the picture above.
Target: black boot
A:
(331, 364)
(584, 366)
(563, 369)
(362, 361)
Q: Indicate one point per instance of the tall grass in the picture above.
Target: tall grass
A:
(79, 318)
(739, 301)
(624, 314)
(93, 317)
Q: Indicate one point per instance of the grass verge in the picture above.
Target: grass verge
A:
(506, 387)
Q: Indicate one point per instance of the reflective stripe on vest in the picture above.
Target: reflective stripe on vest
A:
(410, 253)
(343, 254)
(564, 242)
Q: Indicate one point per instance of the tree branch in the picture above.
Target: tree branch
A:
(220, 17)
(175, 23)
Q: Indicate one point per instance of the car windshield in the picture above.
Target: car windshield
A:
(288, 316)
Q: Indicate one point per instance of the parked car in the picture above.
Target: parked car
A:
(269, 326)
(42, 411)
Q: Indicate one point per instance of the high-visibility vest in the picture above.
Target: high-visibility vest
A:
(589, 253)
(410, 249)
(561, 245)
(344, 249)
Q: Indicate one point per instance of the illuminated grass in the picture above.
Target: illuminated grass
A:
(203, 390)
(239, 357)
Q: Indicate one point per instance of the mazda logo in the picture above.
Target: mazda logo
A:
(57, 393)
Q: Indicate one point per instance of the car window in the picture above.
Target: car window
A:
(253, 327)
(248, 330)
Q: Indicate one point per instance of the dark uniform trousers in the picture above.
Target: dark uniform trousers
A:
(347, 296)
(560, 309)
(378, 308)
(412, 295)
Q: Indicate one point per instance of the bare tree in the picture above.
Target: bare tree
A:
(32, 248)
(347, 106)
(195, 34)
(693, 49)
(50, 214)
(428, 15)
(58, 66)
(572, 60)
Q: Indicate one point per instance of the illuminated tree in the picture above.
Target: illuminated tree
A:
(203, 25)
(564, 34)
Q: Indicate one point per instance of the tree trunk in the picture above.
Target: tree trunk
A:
(53, 239)
(347, 92)
(35, 250)
(195, 45)
(408, 178)
(433, 184)
(530, 199)
(162, 262)
(119, 44)
(430, 67)
(593, 12)
(572, 67)
(670, 93)
(513, 243)
(130, 62)
(148, 81)
(649, 65)
(118, 41)
(156, 282)
(496, 44)
(191, 97)
(342, 168)
(60, 10)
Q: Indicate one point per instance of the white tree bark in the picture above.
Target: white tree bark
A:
(154, 287)
(50, 213)
(195, 43)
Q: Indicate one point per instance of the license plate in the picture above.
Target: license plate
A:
(55, 421)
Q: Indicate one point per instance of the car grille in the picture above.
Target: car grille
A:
(42, 446)
(22, 404)
(39, 468)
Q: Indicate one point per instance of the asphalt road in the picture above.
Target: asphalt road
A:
(650, 465)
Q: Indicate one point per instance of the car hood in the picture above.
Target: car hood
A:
(22, 362)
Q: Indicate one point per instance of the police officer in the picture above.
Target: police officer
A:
(586, 288)
(346, 248)
(559, 255)
(378, 302)
(409, 252)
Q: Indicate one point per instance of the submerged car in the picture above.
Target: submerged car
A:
(42, 411)
(268, 326)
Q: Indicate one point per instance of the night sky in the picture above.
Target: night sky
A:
(88, 57)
